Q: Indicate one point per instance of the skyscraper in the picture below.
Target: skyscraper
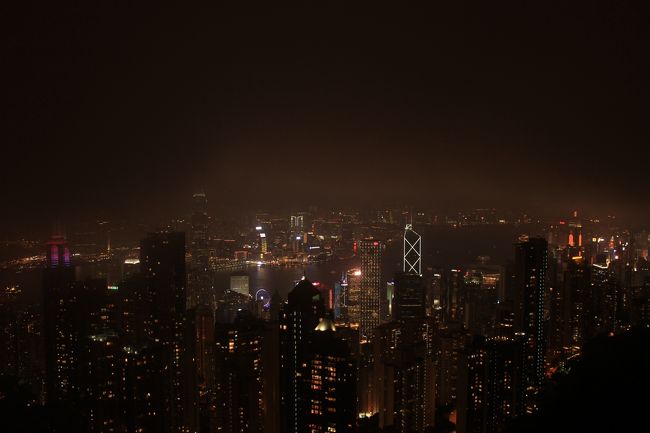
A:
(412, 262)
(370, 252)
(449, 343)
(162, 263)
(239, 375)
(298, 319)
(490, 391)
(329, 383)
(353, 295)
(405, 377)
(576, 299)
(604, 292)
(409, 297)
(59, 304)
(203, 318)
(199, 275)
(297, 224)
(530, 290)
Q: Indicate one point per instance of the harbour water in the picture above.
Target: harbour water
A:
(442, 246)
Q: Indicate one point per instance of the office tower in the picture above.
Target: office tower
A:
(298, 318)
(297, 224)
(412, 251)
(370, 252)
(409, 298)
(434, 295)
(454, 300)
(481, 292)
(353, 295)
(329, 383)
(490, 391)
(264, 248)
(199, 290)
(239, 375)
(530, 274)
(240, 283)
(162, 263)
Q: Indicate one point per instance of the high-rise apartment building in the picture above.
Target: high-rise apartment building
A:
(530, 290)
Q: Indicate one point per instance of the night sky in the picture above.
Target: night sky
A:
(120, 109)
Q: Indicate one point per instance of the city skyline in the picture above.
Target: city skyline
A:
(180, 332)
(324, 218)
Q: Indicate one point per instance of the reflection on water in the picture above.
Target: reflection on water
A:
(283, 278)
(442, 246)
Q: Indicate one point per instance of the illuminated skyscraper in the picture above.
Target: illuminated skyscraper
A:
(60, 337)
(328, 379)
(481, 294)
(604, 291)
(297, 224)
(263, 245)
(405, 377)
(162, 263)
(576, 303)
(412, 251)
(530, 274)
(353, 295)
(370, 252)
(454, 297)
(199, 275)
(490, 389)
(434, 295)
(101, 381)
(298, 318)
(449, 343)
(239, 375)
(409, 297)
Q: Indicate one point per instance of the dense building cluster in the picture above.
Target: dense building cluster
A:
(431, 349)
